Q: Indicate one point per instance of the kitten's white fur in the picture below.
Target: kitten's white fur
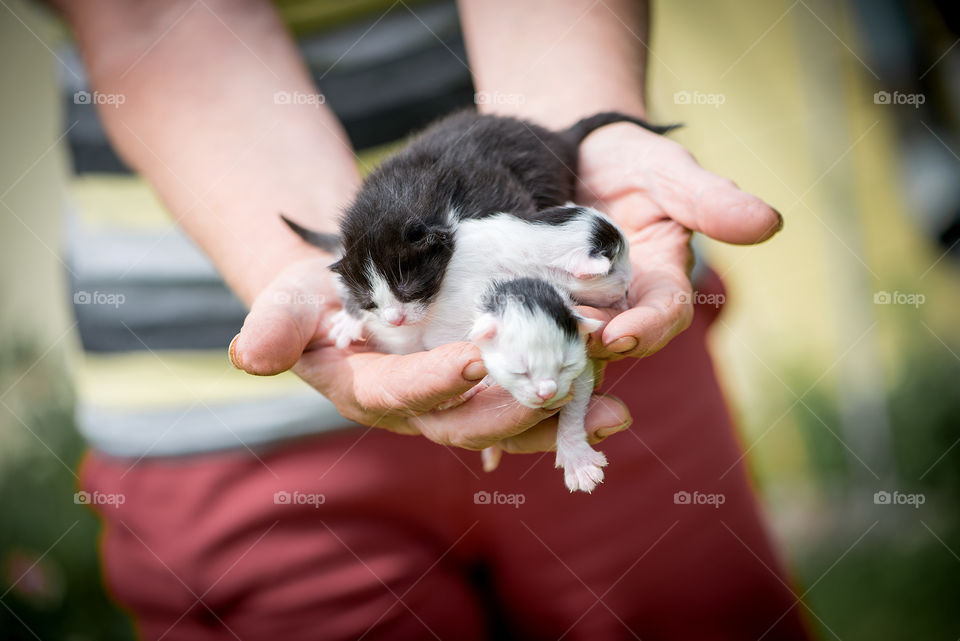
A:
(559, 254)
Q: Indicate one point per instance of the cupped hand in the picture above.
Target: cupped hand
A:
(287, 329)
(655, 190)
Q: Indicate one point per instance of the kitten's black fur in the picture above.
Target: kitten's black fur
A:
(605, 239)
(534, 294)
(470, 164)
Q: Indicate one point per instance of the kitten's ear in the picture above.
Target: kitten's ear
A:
(485, 329)
(582, 266)
(419, 233)
(588, 325)
(415, 231)
(438, 235)
(336, 267)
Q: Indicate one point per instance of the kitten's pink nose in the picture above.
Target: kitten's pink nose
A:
(395, 317)
(547, 389)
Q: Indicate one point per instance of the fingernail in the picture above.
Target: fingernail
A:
(623, 345)
(232, 352)
(780, 216)
(474, 371)
(604, 432)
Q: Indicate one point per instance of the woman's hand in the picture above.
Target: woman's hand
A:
(287, 329)
(655, 190)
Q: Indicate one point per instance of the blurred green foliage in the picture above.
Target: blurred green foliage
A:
(49, 571)
(902, 579)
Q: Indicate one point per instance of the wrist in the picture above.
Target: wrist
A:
(554, 109)
(596, 63)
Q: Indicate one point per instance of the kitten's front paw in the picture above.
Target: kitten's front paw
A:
(345, 329)
(582, 467)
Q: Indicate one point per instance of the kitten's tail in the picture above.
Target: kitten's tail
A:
(584, 127)
(324, 240)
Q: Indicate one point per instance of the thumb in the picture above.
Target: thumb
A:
(413, 383)
(703, 201)
(282, 322)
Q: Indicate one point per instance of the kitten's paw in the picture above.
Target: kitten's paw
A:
(582, 469)
(345, 329)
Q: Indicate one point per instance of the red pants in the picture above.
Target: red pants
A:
(383, 536)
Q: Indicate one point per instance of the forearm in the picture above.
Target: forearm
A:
(199, 121)
(555, 61)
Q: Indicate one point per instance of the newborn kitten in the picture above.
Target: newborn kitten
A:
(400, 232)
(532, 344)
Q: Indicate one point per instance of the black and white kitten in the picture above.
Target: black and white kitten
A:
(532, 344)
(400, 232)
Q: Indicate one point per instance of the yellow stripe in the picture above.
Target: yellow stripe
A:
(146, 380)
(304, 17)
